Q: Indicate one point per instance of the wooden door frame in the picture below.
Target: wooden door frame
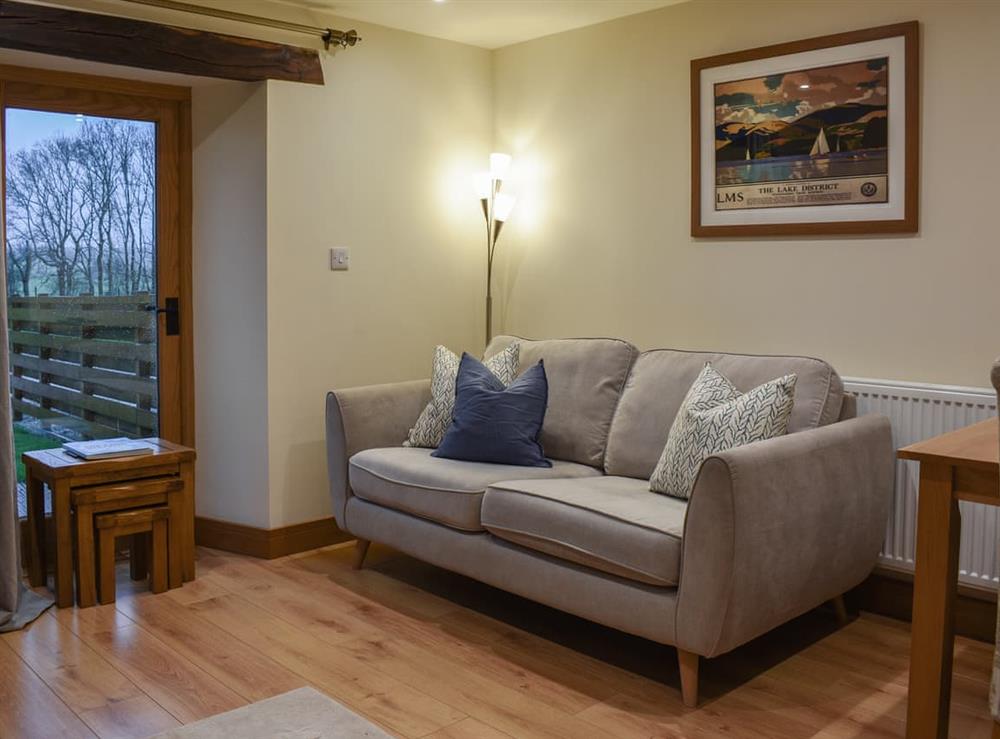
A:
(170, 107)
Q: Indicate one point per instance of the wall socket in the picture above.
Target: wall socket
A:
(340, 258)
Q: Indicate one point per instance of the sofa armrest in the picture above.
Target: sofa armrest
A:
(777, 527)
(361, 418)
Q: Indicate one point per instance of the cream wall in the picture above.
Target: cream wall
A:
(229, 224)
(598, 122)
(378, 160)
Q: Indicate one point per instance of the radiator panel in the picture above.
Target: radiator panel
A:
(918, 412)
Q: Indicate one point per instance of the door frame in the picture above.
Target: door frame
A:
(169, 106)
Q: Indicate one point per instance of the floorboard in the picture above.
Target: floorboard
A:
(427, 653)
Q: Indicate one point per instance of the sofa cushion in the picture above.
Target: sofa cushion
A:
(493, 423)
(612, 524)
(714, 417)
(661, 378)
(448, 491)
(434, 420)
(586, 377)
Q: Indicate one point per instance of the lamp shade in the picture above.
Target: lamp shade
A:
(499, 165)
(484, 185)
(502, 206)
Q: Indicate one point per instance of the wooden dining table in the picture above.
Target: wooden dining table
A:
(959, 465)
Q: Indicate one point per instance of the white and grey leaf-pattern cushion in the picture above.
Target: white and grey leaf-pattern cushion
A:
(715, 416)
(436, 416)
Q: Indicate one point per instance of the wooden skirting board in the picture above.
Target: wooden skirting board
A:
(889, 592)
(267, 543)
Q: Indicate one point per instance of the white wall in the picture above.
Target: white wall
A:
(229, 221)
(598, 120)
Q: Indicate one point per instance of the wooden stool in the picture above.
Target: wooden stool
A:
(110, 526)
(87, 502)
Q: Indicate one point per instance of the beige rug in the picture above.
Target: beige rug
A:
(300, 714)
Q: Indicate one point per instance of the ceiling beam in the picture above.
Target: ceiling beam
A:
(134, 43)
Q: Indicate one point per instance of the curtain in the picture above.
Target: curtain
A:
(18, 605)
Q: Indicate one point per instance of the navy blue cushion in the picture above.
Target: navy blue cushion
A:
(493, 423)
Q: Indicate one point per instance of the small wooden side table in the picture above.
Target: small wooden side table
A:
(63, 473)
(960, 465)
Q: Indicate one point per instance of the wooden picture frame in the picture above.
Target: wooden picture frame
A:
(770, 145)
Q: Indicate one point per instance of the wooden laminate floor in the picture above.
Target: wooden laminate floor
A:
(426, 653)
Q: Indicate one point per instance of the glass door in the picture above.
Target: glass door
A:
(92, 200)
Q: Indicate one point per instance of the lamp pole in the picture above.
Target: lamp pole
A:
(496, 208)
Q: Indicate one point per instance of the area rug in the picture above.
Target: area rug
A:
(299, 714)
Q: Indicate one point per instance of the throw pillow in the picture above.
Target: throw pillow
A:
(436, 416)
(494, 423)
(715, 416)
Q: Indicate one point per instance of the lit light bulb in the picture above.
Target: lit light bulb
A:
(502, 206)
(499, 165)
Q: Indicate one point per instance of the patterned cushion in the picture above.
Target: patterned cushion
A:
(436, 417)
(715, 416)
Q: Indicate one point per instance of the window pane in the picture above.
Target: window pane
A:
(81, 270)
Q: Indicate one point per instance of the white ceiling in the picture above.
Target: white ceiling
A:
(486, 23)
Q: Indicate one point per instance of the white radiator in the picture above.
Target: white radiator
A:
(918, 412)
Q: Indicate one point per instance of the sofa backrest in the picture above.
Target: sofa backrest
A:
(660, 379)
(586, 377)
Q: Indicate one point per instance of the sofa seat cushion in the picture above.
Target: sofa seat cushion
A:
(448, 491)
(613, 524)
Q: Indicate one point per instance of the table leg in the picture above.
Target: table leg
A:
(934, 584)
(64, 543)
(138, 557)
(36, 528)
(86, 586)
(106, 566)
(175, 536)
(187, 527)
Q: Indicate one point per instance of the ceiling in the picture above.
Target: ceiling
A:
(486, 23)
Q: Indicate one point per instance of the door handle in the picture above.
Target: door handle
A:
(172, 311)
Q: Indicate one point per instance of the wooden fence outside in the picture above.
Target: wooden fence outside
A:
(84, 366)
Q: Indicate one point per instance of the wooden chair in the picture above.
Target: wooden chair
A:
(88, 502)
(152, 521)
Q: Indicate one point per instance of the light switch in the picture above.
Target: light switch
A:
(340, 258)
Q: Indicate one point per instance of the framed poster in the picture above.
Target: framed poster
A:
(812, 137)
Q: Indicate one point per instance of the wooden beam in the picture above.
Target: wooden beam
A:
(135, 43)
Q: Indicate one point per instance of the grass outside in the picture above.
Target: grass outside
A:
(25, 441)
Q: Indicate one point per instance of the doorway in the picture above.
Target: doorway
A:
(96, 194)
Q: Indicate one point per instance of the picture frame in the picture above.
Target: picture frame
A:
(808, 138)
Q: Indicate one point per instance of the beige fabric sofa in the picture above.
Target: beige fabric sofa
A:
(772, 529)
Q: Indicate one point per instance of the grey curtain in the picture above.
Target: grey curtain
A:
(18, 605)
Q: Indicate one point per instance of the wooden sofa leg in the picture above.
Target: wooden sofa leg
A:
(840, 609)
(360, 550)
(688, 662)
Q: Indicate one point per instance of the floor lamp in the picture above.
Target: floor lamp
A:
(496, 209)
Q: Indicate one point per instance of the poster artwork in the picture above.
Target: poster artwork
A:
(811, 137)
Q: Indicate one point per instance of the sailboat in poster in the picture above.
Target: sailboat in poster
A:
(820, 146)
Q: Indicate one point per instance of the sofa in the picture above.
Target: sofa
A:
(772, 529)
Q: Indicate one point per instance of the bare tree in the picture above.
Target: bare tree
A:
(81, 211)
